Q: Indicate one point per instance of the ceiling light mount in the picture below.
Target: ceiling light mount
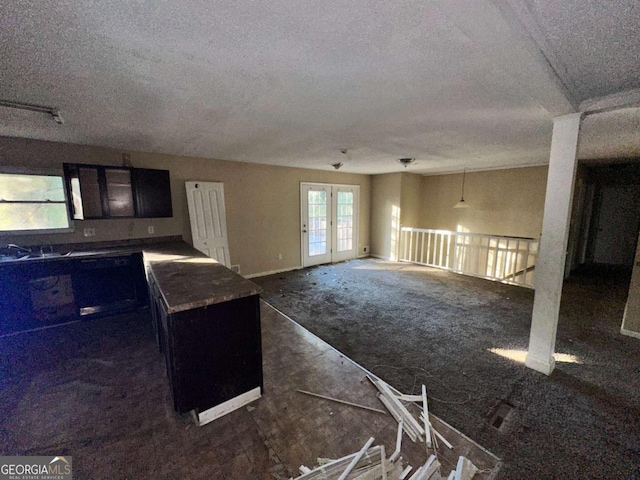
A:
(53, 111)
(462, 203)
(406, 161)
(337, 165)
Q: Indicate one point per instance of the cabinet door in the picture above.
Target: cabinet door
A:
(119, 195)
(152, 191)
(84, 191)
(216, 353)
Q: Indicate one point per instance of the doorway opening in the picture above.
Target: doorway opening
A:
(329, 222)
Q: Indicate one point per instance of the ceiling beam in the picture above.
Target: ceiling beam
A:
(522, 21)
(609, 103)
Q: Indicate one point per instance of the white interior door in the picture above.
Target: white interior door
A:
(208, 219)
(329, 219)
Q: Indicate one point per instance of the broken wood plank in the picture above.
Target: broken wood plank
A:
(410, 398)
(410, 433)
(410, 422)
(356, 459)
(337, 400)
(465, 470)
(406, 472)
(396, 452)
(429, 469)
(425, 410)
(383, 461)
(335, 467)
(438, 434)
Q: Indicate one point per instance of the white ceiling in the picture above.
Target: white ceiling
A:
(454, 83)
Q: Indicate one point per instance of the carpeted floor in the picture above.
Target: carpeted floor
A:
(414, 325)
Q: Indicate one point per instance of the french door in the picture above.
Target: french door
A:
(329, 221)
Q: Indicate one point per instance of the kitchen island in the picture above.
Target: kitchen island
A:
(206, 317)
(207, 323)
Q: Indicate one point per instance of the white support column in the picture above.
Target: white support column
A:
(553, 244)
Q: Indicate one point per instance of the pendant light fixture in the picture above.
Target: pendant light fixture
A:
(462, 203)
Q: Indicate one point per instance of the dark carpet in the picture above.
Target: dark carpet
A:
(414, 325)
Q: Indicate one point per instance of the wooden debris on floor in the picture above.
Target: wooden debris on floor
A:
(465, 470)
(344, 402)
(370, 463)
(416, 431)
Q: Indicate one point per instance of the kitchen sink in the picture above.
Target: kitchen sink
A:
(33, 256)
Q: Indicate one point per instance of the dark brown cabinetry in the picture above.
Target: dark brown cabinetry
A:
(36, 294)
(213, 353)
(97, 191)
(152, 189)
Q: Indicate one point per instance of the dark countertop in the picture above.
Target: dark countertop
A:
(186, 277)
(189, 279)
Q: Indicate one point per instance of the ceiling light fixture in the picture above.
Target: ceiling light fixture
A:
(462, 203)
(54, 112)
(337, 165)
(406, 161)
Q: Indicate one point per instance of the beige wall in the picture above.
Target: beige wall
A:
(262, 202)
(385, 214)
(502, 202)
(410, 200)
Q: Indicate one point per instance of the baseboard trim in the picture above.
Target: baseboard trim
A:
(272, 272)
(229, 406)
(381, 257)
(630, 333)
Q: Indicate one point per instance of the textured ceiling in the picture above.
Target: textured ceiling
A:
(452, 83)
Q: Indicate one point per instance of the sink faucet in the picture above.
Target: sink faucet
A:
(19, 248)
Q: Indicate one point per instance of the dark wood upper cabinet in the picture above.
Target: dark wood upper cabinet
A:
(152, 190)
(97, 191)
(118, 201)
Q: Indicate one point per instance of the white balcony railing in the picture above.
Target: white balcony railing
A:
(504, 259)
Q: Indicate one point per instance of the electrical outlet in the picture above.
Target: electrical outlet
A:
(151, 229)
(235, 268)
(365, 249)
(279, 256)
(90, 232)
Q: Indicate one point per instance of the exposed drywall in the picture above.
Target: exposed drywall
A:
(262, 202)
(385, 214)
(501, 202)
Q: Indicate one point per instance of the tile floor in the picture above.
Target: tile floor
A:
(97, 390)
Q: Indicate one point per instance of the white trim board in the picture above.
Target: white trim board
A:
(272, 272)
(630, 333)
(229, 406)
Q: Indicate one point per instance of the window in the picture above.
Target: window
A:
(32, 203)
